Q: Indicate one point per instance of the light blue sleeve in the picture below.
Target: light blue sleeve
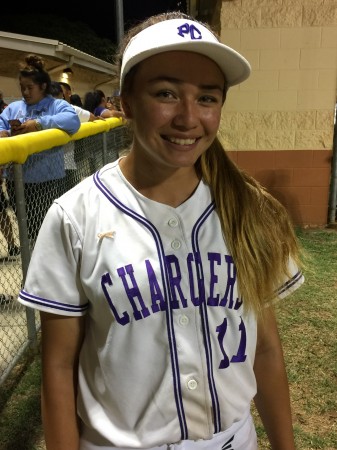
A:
(15, 110)
(61, 115)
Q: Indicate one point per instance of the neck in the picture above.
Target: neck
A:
(170, 186)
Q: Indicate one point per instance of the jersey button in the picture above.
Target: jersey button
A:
(173, 222)
(183, 320)
(176, 244)
(192, 384)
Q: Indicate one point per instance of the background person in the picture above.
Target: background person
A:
(6, 226)
(58, 91)
(162, 331)
(109, 104)
(76, 100)
(115, 100)
(95, 101)
(38, 110)
(72, 173)
(67, 91)
(3, 104)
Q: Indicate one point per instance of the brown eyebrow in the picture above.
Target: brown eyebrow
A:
(208, 87)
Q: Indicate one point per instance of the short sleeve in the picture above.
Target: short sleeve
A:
(53, 282)
(291, 283)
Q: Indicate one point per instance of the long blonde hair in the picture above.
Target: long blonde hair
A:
(256, 227)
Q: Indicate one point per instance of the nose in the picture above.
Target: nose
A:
(187, 116)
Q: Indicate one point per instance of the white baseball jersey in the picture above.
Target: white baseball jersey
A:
(169, 352)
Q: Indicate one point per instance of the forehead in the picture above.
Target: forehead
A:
(181, 64)
(26, 81)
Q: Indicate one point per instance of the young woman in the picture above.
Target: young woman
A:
(96, 102)
(158, 328)
(38, 110)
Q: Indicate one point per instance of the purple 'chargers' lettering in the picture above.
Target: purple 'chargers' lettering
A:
(175, 281)
(133, 292)
(221, 269)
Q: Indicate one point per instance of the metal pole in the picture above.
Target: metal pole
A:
(24, 245)
(333, 184)
(119, 20)
(104, 149)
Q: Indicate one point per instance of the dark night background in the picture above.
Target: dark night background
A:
(89, 29)
(101, 20)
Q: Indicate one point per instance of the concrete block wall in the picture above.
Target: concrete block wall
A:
(287, 105)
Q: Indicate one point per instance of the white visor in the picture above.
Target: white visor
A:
(185, 35)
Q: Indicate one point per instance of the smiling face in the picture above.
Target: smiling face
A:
(174, 103)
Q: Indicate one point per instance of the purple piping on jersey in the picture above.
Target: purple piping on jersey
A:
(169, 318)
(34, 300)
(290, 283)
(204, 321)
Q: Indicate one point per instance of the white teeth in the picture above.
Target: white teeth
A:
(181, 141)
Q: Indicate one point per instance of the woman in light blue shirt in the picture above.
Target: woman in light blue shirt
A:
(38, 110)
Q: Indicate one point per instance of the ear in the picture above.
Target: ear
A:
(126, 107)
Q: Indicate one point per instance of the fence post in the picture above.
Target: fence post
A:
(24, 245)
(333, 184)
(105, 149)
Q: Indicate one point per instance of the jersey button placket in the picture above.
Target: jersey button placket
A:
(183, 320)
(176, 244)
(192, 384)
(173, 222)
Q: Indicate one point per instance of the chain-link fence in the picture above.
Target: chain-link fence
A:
(27, 192)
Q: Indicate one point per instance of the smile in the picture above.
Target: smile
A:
(181, 141)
